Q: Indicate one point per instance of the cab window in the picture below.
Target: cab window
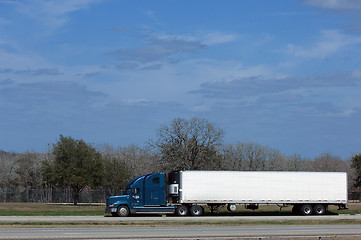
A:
(135, 191)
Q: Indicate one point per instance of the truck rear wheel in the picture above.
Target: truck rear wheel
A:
(196, 210)
(319, 209)
(123, 211)
(182, 210)
(306, 209)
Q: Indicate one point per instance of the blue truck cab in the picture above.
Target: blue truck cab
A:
(144, 194)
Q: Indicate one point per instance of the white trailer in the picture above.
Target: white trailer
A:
(309, 192)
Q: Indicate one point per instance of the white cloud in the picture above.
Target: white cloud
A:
(166, 47)
(52, 13)
(158, 48)
(207, 38)
(150, 14)
(214, 38)
(330, 42)
(336, 4)
(357, 73)
(238, 87)
(4, 21)
(336, 94)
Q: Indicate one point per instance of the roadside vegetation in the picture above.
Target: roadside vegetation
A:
(195, 144)
(43, 209)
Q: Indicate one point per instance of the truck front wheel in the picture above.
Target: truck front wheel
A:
(123, 211)
(182, 210)
(197, 210)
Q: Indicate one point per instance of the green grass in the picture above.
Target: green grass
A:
(41, 209)
(353, 208)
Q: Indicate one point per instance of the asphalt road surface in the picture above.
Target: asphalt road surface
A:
(258, 231)
(191, 232)
(101, 219)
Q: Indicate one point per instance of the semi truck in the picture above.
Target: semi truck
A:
(188, 192)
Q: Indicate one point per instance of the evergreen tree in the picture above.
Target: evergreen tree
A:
(76, 165)
(356, 164)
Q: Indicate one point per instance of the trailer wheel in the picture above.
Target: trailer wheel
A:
(182, 210)
(306, 209)
(319, 209)
(123, 211)
(197, 210)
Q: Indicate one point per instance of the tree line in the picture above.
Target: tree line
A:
(194, 144)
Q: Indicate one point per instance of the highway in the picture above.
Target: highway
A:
(173, 219)
(156, 227)
(187, 232)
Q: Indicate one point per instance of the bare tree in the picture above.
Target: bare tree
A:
(275, 160)
(252, 157)
(137, 160)
(7, 170)
(329, 163)
(190, 145)
(140, 160)
(28, 170)
(116, 172)
(297, 163)
(233, 159)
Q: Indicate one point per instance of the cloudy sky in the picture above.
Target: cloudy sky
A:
(282, 73)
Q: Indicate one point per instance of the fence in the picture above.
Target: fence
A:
(52, 195)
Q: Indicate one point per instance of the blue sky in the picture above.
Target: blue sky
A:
(283, 73)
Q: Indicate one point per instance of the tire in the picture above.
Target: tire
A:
(197, 210)
(182, 210)
(319, 209)
(306, 210)
(123, 211)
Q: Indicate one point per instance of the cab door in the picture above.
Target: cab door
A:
(155, 190)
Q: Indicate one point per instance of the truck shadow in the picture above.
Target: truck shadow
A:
(276, 213)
